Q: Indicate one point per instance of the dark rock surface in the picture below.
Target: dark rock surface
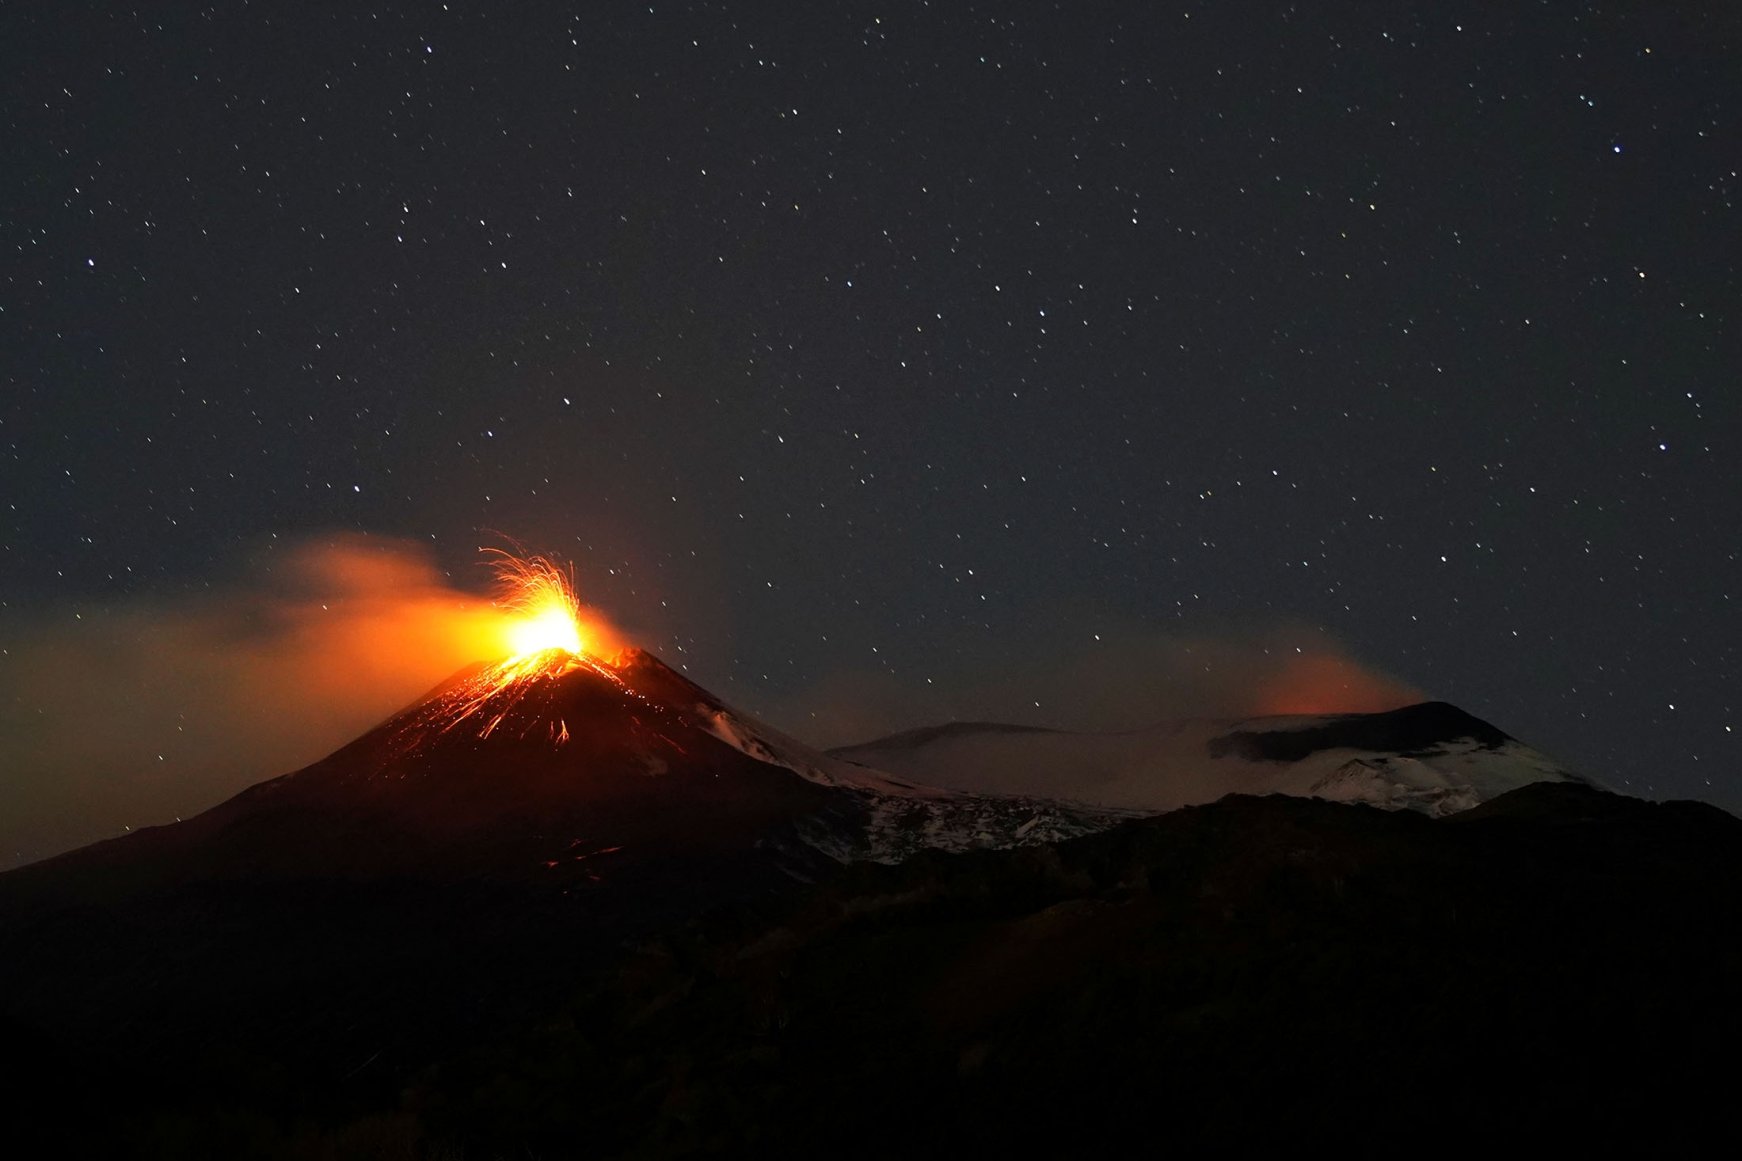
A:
(1411, 731)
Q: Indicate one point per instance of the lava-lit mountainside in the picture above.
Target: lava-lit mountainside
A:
(1431, 757)
(508, 781)
(567, 760)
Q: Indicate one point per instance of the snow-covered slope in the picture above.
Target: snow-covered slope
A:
(1432, 757)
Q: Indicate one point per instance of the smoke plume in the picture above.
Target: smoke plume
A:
(132, 714)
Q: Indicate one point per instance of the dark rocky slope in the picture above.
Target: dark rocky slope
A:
(1562, 963)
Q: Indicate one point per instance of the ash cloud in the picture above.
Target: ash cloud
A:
(128, 715)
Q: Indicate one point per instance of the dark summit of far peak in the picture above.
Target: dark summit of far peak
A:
(1412, 730)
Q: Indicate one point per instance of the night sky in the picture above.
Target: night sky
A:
(884, 353)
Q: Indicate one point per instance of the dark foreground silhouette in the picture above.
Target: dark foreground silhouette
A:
(1558, 966)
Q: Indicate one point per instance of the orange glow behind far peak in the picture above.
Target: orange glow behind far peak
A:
(1330, 683)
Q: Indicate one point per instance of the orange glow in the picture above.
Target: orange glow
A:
(552, 629)
(1327, 683)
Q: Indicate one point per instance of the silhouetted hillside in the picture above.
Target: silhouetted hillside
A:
(1271, 973)
(500, 948)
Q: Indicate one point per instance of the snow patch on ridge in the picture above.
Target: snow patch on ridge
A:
(897, 827)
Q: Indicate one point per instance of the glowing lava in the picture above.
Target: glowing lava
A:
(543, 632)
(554, 629)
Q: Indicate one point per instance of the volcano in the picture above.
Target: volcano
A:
(610, 766)
(452, 869)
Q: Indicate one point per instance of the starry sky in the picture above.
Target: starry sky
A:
(877, 353)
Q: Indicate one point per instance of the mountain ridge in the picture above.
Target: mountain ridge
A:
(1431, 756)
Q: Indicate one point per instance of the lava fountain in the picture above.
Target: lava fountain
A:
(539, 596)
(546, 636)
